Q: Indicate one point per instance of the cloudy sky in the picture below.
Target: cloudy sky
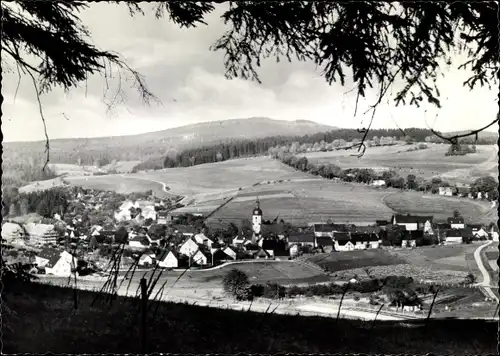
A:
(189, 80)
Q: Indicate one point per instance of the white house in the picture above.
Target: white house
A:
(41, 234)
(294, 250)
(146, 260)
(228, 251)
(13, 233)
(199, 258)
(149, 212)
(378, 183)
(138, 241)
(203, 240)
(343, 245)
(445, 191)
(56, 263)
(189, 248)
(239, 240)
(324, 230)
(168, 259)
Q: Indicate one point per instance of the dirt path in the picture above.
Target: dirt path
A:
(485, 284)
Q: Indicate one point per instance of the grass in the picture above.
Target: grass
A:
(338, 261)
(440, 207)
(422, 163)
(42, 320)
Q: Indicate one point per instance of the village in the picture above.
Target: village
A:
(152, 235)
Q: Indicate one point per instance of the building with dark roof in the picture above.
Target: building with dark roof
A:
(413, 222)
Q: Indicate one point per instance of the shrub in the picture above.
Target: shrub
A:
(236, 284)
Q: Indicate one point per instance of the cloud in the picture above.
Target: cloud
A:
(189, 80)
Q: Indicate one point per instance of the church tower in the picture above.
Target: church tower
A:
(257, 220)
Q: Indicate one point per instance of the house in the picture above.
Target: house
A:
(343, 243)
(230, 253)
(149, 212)
(478, 233)
(456, 223)
(304, 238)
(294, 250)
(321, 230)
(199, 258)
(445, 191)
(275, 247)
(378, 183)
(13, 233)
(168, 259)
(185, 230)
(138, 241)
(55, 262)
(410, 238)
(41, 234)
(261, 253)
(147, 260)
(203, 240)
(189, 247)
(463, 191)
(325, 243)
(362, 240)
(239, 240)
(413, 222)
(494, 233)
(368, 229)
(162, 217)
(218, 255)
(453, 236)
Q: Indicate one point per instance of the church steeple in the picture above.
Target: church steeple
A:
(257, 219)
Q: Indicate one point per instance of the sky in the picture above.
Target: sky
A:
(189, 80)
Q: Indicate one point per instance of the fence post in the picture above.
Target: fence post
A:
(144, 307)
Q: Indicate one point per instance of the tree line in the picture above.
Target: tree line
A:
(323, 141)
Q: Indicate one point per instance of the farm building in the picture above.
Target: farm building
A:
(13, 233)
(147, 260)
(478, 232)
(168, 259)
(41, 234)
(368, 229)
(413, 222)
(202, 239)
(456, 223)
(324, 230)
(304, 238)
(273, 247)
(410, 238)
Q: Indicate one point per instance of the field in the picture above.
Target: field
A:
(338, 261)
(440, 207)
(44, 321)
(425, 163)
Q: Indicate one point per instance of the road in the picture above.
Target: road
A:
(485, 284)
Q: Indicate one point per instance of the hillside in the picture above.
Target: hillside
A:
(155, 144)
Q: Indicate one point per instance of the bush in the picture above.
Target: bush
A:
(236, 284)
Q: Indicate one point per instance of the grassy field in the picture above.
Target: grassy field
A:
(338, 261)
(440, 207)
(44, 320)
(422, 163)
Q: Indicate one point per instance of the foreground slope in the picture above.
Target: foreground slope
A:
(44, 321)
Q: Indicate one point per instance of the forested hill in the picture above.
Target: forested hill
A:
(87, 151)
(241, 148)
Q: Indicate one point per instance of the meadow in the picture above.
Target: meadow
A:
(44, 320)
(441, 207)
(425, 163)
